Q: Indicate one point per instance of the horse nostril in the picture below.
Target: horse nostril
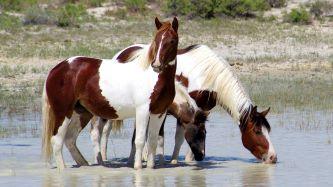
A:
(273, 159)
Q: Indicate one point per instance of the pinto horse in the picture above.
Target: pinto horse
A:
(211, 82)
(189, 117)
(80, 87)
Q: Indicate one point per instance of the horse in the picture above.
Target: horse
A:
(190, 119)
(80, 87)
(212, 83)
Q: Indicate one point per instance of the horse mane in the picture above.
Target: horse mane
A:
(181, 91)
(220, 77)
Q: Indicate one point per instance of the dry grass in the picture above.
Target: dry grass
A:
(249, 42)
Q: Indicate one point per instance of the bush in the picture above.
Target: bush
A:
(277, 3)
(71, 15)
(298, 15)
(319, 8)
(36, 15)
(213, 8)
(178, 7)
(16, 5)
(135, 5)
(8, 22)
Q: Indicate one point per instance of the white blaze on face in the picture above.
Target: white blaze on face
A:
(271, 150)
(157, 59)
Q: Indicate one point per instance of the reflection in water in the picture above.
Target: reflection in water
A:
(144, 178)
(257, 175)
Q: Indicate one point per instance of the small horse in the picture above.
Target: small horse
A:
(80, 87)
(189, 117)
(212, 82)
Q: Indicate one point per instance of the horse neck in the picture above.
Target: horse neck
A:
(218, 76)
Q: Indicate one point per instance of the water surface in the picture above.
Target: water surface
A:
(301, 139)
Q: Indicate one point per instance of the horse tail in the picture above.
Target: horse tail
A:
(117, 125)
(48, 126)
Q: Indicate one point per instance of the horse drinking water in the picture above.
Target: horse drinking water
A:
(80, 87)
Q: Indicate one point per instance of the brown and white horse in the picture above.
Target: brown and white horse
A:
(211, 82)
(189, 117)
(80, 87)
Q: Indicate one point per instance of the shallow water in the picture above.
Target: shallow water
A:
(301, 139)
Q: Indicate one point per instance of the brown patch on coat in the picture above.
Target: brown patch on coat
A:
(124, 56)
(184, 112)
(187, 49)
(205, 99)
(74, 86)
(182, 79)
(164, 91)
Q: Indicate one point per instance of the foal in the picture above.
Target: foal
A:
(80, 87)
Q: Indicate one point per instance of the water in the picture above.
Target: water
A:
(301, 139)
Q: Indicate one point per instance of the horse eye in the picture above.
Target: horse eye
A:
(258, 132)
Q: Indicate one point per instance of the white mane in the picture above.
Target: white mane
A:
(218, 75)
(182, 94)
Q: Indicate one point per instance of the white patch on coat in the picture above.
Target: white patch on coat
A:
(126, 86)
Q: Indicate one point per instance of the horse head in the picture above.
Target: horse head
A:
(255, 137)
(195, 134)
(163, 50)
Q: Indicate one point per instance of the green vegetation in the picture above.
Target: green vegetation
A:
(71, 15)
(135, 5)
(17, 5)
(277, 3)
(298, 15)
(8, 22)
(214, 8)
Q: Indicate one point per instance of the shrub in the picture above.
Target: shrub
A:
(213, 8)
(8, 22)
(319, 8)
(277, 3)
(178, 7)
(298, 15)
(71, 15)
(37, 15)
(16, 5)
(135, 5)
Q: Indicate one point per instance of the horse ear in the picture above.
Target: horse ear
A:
(158, 23)
(265, 112)
(175, 24)
(254, 111)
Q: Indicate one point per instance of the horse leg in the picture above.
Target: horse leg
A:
(142, 118)
(160, 144)
(95, 135)
(78, 122)
(155, 123)
(104, 139)
(57, 142)
(179, 139)
(131, 156)
(189, 156)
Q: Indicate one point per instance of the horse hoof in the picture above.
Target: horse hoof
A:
(137, 166)
(174, 161)
(150, 165)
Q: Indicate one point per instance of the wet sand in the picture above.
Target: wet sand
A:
(305, 158)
